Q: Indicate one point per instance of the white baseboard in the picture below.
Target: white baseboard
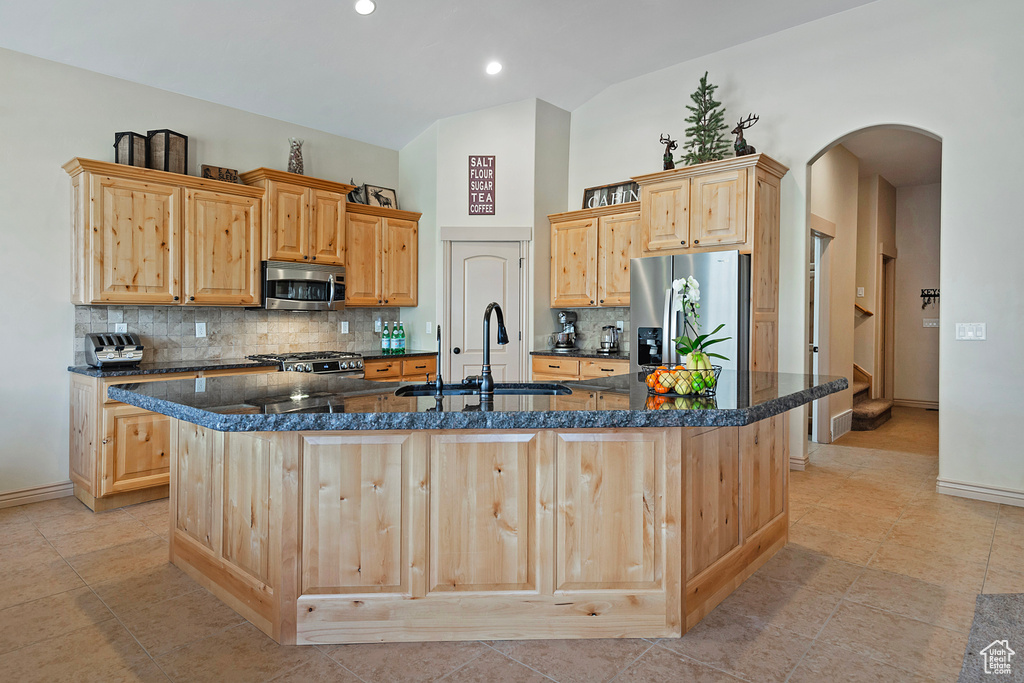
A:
(991, 494)
(36, 494)
(911, 403)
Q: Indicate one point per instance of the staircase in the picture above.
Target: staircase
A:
(868, 413)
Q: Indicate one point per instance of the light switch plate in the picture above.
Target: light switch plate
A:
(200, 385)
(860, 292)
(931, 322)
(200, 330)
(428, 328)
(971, 331)
(376, 325)
(121, 328)
(344, 327)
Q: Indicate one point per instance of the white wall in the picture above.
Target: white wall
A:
(917, 238)
(530, 142)
(418, 179)
(50, 113)
(867, 246)
(834, 197)
(891, 61)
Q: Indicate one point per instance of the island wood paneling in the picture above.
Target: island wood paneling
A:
(610, 508)
(200, 470)
(353, 529)
(246, 512)
(763, 466)
(482, 530)
(712, 498)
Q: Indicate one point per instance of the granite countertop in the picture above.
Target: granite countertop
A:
(583, 353)
(166, 367)
(298, 402)
(377, 355)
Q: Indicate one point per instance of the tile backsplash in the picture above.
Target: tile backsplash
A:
(169, 332)
(590, 321)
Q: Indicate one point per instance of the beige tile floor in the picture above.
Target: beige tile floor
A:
(877, 584)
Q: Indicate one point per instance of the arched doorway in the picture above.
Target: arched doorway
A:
(870, 192)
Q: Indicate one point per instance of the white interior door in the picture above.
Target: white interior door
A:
(482, 272)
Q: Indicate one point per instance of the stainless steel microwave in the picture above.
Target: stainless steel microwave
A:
(303, 287)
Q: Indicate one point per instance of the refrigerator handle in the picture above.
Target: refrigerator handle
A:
(666, 335)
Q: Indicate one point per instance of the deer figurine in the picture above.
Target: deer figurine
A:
(670, 146)
(740, 145)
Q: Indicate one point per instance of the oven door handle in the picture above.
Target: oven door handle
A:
(330, 288)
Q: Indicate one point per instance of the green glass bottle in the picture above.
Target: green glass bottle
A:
(401, 338)
(385, 341)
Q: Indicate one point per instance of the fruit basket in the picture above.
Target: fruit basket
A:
(674, 402)
(663, 380)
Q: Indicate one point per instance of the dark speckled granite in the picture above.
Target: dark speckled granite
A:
(377, 355)
(291, 402)
(582, 353)
(170, 366)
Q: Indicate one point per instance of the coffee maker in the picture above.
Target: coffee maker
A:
(609, 339)
(565, 341)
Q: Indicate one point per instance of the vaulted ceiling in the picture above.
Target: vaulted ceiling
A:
(386, 77)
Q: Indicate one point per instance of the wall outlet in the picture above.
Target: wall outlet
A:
(971, 331)
(121, 328)
(860, 292)
(376, 325)
(200, 385)
(618, 324)
(931, 322)
(200, 330)
(344, 327)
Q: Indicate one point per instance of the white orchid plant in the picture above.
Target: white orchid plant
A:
(686, 298)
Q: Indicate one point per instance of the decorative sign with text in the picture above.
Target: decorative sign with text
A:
(481, 185)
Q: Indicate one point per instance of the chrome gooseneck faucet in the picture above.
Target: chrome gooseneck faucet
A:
(486, 380)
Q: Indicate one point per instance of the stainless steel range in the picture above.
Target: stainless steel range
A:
(319, 362)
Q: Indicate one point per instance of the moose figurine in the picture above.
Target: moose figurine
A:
(670, 146)
(740, 145)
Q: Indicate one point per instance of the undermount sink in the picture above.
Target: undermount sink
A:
(500, 388)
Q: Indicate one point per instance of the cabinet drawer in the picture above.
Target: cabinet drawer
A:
(418, 368)
(591, 369)
(383, 369)
(565, 368)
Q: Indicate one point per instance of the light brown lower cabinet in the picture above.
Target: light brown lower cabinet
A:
(555, 368)
(119, 454)
(371, 536)
(416, 369)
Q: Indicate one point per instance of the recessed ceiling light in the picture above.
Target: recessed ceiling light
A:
(365, 6)
(493, 68)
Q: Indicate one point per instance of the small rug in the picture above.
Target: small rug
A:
(995, 648)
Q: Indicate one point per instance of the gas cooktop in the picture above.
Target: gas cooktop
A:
(320, 362)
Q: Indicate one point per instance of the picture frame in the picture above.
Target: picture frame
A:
(608, 195)
(383, 197)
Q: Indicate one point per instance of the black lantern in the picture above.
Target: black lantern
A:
(168, 151)
(130, 148)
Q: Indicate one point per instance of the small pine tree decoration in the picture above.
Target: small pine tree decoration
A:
(705, 136)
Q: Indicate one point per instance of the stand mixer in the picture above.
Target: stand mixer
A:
(565, 341)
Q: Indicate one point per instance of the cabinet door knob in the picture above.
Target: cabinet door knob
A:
(191, 298)
(591, 302)
(104, 442)
(683, 242)
(314, 258)
(385, 300)
(175, 298)
(602, 300)
(305, 257)
(696, 241)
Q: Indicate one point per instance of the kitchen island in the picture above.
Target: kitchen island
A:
(329, 510)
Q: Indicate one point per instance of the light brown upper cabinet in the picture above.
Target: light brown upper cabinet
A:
(148, 237)
(702, 207)
(728, 204)
(382, 249)
(303, 217)
(590, 253)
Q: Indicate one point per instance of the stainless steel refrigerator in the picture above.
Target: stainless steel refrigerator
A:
(724, 278)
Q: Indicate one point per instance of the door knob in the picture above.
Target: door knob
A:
(456, 350)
